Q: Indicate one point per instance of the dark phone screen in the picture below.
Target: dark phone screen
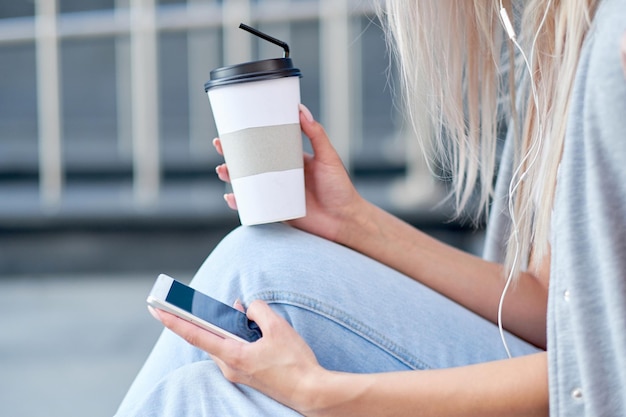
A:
(213, 311)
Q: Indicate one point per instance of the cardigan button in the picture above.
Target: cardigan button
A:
(577, 394)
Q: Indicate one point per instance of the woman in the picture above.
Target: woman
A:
(364, 315)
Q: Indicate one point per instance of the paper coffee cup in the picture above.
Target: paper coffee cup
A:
(255, 106)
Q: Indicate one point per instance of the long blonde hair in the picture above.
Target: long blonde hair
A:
(450, 55)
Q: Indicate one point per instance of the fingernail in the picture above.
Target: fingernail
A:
(306, 112)
(154, 313)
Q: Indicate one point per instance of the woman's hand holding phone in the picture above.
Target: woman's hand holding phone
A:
(280, 364)
(331, 198)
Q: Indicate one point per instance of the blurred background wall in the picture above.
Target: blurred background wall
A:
(105, 130)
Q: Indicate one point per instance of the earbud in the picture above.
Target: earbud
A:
(507, 23)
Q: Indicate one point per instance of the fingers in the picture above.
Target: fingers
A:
(230, 200)
(221, 170)
(222, 173)
(261, 313)
(304, 110)
(154, 313)
(322, 148)
(194, 335)
(238, 306)
(227, 353)
(217, 143)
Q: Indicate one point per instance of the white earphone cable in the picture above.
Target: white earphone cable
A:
(534, 150)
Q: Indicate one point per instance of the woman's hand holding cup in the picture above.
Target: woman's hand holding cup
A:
(331, 199)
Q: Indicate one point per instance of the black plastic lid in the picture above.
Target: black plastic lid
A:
(252, 71)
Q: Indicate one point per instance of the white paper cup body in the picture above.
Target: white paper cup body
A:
(259, 125)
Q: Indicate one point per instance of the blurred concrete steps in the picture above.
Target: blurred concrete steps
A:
(98, 226)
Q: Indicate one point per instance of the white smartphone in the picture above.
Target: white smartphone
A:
(183, 301)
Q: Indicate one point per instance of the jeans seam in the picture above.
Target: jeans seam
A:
(343, 319)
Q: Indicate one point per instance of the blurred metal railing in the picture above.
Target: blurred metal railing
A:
(49, 102)
(136, 24)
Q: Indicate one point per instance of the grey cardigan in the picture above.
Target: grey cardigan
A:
(587, 300)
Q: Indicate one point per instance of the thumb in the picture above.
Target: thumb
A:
(322, 148)
(261, 313)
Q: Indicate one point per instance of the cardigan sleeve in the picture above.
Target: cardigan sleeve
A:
(587, 301)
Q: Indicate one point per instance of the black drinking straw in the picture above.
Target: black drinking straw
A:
(267, 38)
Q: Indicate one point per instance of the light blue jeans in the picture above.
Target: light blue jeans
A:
(356, 314)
